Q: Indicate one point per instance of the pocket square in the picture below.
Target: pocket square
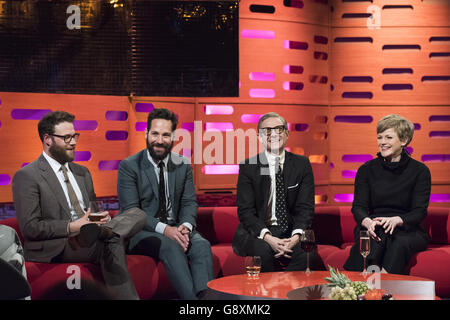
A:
(291, 187)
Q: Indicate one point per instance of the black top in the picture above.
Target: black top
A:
(387, 189)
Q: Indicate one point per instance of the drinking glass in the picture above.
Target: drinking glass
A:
(253, 266)
(96, 207)
(308, 244)
(364, 247)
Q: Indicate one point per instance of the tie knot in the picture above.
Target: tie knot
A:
(277, 165)
(161, 164)
(64, 170)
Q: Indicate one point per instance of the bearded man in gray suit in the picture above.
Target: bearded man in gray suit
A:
(161, 184)
(52, 198)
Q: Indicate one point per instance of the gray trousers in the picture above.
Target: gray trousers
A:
(110, 254)
(189, 272)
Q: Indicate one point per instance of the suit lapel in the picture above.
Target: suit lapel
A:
(149, 171)
(79, 177)
(48, 175)
(171, 173)
(264, 173)
(288, 169)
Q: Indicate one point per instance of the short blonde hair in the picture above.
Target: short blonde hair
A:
(402, 126)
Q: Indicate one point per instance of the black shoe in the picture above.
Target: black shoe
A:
(90, 233)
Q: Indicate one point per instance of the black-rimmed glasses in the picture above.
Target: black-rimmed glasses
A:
(268, 131)
(68, 137)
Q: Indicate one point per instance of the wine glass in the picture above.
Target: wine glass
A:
(364, 247)
(253, 266)
(308, 244)
(97, 207)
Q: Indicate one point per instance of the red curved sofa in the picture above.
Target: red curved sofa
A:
(333, 226)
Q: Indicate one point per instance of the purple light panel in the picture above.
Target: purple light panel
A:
(140, 126)
(440, 197)
(29, 114)
(219, 126)
(439, 118)
(262, 76)
(144, 107)
(221, 169)
(116, 115)
(353, 119)
(348, 174)
(250, 118)
(82, 155)
(343, 197)
(436, 157)
(109, 164)
(189, 126)
(288, 86)
(85, 125)
(296, 45)
(410, 150)
(356, 157)
(292, 69)
(258, 34)
(262, 93)
(213, 109)
(357, 95)
(116, 135)
(301, 126)
(439, 134)
(5, 179)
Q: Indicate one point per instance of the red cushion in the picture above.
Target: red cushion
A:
(433, 264)
(437, 223)
(226, 262)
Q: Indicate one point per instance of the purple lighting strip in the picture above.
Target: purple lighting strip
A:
(5, 179)
(343, 197)
(262, 76)
(250, 118)
(29, 114)
(221, 169)
(85, 125)
(440, 197)
(109, 165)
(144, 107)
(356, 157)
(214, 109)
(258, 34)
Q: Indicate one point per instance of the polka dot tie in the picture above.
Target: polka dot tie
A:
(280, 202)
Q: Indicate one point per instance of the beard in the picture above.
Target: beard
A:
(156, 155)
(60, 154)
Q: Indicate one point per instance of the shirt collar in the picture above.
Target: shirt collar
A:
(271, 158)
(165, 160)
(56, 166)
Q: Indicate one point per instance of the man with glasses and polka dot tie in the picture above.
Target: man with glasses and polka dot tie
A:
(275, 200)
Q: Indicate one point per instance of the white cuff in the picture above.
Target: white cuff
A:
(297, 231)
(263, 233)
(160, 227)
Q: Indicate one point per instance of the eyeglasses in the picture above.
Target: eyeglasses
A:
(68, 137)
(268, 131)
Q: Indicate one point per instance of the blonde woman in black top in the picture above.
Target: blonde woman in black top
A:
(391, 199)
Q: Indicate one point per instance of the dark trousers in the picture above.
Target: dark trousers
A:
(392, 253)
(110, 254)
(188, 272)
(269, 263)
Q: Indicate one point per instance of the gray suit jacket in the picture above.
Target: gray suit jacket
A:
(42, 209)
(137, 187)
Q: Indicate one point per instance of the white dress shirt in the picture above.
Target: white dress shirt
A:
(56, 167)
(271, 159)
(160, 226)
